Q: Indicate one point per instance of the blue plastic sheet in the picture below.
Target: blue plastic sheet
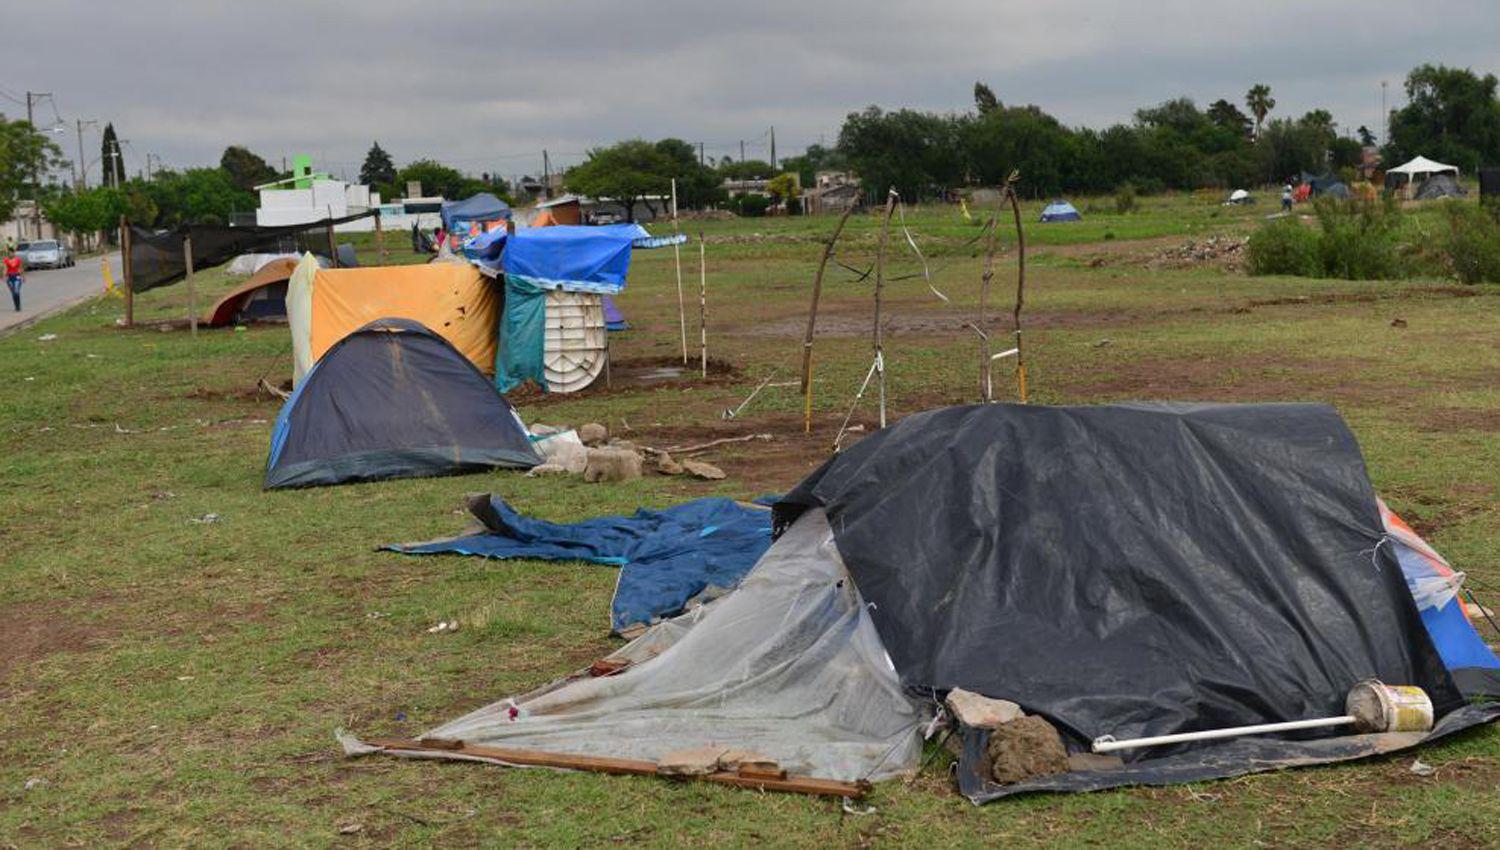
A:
(666, 557)
(523, 336)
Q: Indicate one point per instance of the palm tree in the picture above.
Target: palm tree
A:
(1260, 102)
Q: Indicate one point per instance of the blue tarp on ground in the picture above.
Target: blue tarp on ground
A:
(666, 557)
(480, 207)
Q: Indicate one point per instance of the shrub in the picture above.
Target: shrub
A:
(1471, 246)
(750, 206)
(1358, 239)
(1283, 247)
(1125, 199)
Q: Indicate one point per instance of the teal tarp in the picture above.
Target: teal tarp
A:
(522, 335)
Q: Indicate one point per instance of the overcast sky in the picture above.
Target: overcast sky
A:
(487, 86)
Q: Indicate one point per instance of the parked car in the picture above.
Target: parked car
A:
(46, 254)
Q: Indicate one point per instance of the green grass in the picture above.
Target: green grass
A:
(173, 682)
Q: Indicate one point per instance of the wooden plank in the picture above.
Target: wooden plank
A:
(630, 767)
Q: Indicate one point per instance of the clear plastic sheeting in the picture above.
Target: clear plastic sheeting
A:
(788, 666)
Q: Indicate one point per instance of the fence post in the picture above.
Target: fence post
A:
(187, 256)
(125, 271)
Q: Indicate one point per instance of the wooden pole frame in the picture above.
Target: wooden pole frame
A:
(333, 249)
(812, 321)
(379, 239)
(702, 306)
(677, 261)
(187, 259)
(125, 272)
(1015, 206)
(885, 233)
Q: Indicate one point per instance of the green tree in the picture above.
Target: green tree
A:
(816, 158)
(378, 169)
(698, 186)
(917, 153)
(1451, 115)
(111, 159)
(245, 169)
(750, 169)
(984, 98)
(437, 179)
(783, 188)
(1229, 117)
(1258, 99)
(24, 153)
(87, 212)
(626, 172)
(1366, 138)
(194, 196)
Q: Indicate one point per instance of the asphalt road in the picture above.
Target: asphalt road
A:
(49, 290)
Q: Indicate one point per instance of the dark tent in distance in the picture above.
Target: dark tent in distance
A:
(393, 400)
(1440, 186)
(1489, 182)
(261, 298)
(480, 207)
(1060, 211)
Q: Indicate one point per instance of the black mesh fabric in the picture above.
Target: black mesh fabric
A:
(157, 258)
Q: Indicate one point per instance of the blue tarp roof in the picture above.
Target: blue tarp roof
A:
(480, 207)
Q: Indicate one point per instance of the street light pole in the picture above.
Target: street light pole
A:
(36, 176)
(82, 182)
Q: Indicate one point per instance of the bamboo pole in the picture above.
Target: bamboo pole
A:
(885, 232)
(125, 272)
(812, 322)
(187, 257)
(677, 261)
(1015, 206)
(702, 306)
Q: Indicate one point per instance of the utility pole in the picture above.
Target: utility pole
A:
(36, 176)
(773, 147)
(700, 153)
(1385, 117)
(546, 175)
(83, 168)
(742, 150)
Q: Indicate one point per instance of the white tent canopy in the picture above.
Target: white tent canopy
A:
(1422, 166)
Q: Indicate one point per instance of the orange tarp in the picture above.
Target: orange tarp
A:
(453, 299)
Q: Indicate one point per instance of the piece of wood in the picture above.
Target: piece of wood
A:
(986, 382)
(812, 321)
(719, 442)
(628, 767)
(187, 258)
(885, 234)
(441, 743)
(1015, 206)
(333, 250)
(677, 262)
(379, 239)
(702, 306)
(125, 272)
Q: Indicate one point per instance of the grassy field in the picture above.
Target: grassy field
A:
(170, 681)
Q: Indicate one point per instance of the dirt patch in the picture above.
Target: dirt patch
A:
(838, 323)
(635, 374)
(30, 632)
(1369, 296)
(1461, 419)
(1243, 378)
(241, 394)
(773, 465)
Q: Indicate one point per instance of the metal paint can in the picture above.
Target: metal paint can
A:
(1378, 707)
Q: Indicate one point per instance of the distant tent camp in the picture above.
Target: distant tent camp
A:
(1239, 196)
(1334, 189)
(1060, 211)
(252, 263)
(1410, 174)
(1440, 186)
(1489, 183)
(261, 298)
(481, 208)
(453, 299)
(1084, 579)
(393, 400)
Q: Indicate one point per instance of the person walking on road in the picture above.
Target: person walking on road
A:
(13, 279)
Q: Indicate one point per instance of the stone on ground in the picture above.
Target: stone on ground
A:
(980, 711)
(593, 434)
(667, 466)
(612, 465)
(1025, 748)
(703, 470)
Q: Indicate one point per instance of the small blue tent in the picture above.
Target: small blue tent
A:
(393, 400)
(1061, 210)
(480, 207)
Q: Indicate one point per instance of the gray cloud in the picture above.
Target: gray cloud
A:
(487, 86)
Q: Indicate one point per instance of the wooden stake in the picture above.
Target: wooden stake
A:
(187, 258)
(125, 272)
(885, 232)
(761, 780)
(1015, 206)
(812, 322)
(379, 238)
(702, 306)
(986, 384)
(333, 251)
(677, 261)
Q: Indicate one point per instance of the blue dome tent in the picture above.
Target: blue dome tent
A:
(393, 400)
(1060, 210)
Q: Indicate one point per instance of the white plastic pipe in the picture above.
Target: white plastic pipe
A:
(1107, 743)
